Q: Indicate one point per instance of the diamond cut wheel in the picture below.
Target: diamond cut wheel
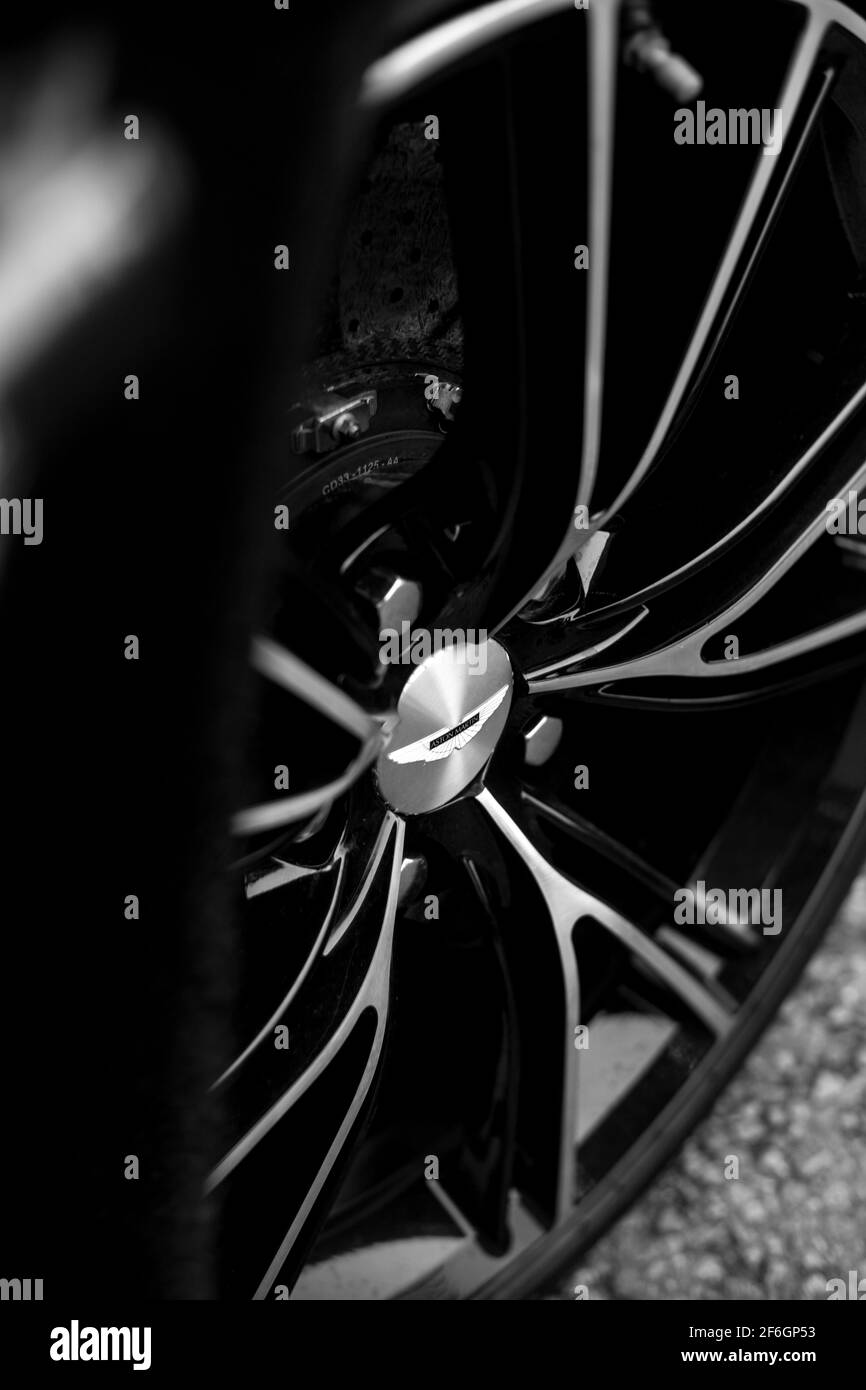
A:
(473, 1024)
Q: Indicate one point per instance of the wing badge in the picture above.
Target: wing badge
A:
(445, 740)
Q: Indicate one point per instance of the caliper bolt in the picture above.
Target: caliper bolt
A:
(345, 427)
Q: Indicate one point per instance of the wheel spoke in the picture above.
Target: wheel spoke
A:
(711, 320)
(603, 51)
(365, 884)
(567, 903)
(391, 78)
(551, 667)
(603, 57)
(279, 874)
(371, 995)
(697, 562)
(468, 1269)
(301, 976)
(298, 679)
(277, 871)
(563, 902)
(613, 850)
(727, 938)
(683, 656)
(331, 1156)
(661, 964)
(271, 814)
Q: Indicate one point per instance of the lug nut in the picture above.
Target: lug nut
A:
(397, 600)
(541, 740)
(413, 876)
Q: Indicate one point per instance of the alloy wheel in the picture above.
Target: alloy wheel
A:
(472, 1025)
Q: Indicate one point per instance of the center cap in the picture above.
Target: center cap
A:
(451, 712)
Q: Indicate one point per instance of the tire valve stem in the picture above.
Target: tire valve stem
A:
(647, 50)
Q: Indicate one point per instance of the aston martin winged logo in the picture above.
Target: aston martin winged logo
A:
(445, 740)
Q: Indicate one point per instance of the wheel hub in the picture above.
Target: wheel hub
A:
(451, 711)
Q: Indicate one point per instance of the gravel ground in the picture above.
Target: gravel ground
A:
(795, 1117)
